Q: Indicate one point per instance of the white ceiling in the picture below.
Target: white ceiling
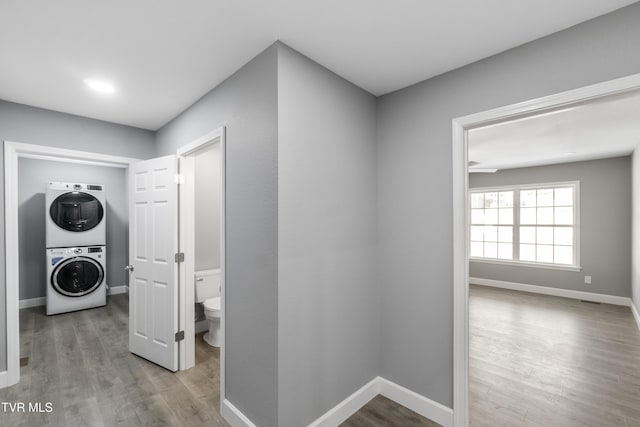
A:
(608, 127)
(163, 55)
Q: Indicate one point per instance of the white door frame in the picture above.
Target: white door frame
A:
(12, 152)
(187, 246)
(460, 126)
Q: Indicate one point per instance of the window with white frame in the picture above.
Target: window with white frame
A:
(532, 224)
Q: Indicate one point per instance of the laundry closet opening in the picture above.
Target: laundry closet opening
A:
(100, 336)
(65, 248)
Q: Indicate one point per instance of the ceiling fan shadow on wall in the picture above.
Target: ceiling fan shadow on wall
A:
(473, 169)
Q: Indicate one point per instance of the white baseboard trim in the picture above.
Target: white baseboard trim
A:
(4, 379)
(349, 406)
(32, 302)
(545, 290)
(233, 415)
(202, 326)
(405, 397)
(417, 403)
(37, 302)
(635, 313)
(115, 290)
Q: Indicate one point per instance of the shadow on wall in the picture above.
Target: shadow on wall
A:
(117, 248)
(32, 247)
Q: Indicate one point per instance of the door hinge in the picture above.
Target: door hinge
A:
(179, 257)
(179, 336)
(178, 178)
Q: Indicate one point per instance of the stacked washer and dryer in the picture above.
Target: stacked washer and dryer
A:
(76, 246)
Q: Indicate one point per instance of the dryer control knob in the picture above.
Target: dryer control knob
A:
(77, 251)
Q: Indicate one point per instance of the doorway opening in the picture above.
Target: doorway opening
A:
(461, 130)
(185, 230)
(202, 239)
(13, 152)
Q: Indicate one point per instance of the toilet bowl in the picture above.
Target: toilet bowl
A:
(207, 293)
(212, 314)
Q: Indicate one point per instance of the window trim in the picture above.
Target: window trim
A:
(576, 266)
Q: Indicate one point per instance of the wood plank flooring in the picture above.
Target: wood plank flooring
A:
(80, 362)
(537, 360)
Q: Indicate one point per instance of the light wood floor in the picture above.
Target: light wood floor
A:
(538, 360)
(80, 362)
(534, 360)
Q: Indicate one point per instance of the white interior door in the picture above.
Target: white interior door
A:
(153, 244)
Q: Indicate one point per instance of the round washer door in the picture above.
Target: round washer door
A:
(76, 277)
(76, 211)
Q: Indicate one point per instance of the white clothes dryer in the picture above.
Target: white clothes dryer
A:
(75, 215)
(76, 278)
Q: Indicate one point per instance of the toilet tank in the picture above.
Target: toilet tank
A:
(207, 284)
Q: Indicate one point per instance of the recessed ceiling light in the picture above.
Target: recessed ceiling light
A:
(568, 153)
(99, 86)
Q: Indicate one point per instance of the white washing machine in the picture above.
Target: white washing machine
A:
(75, 215)
(76, 278)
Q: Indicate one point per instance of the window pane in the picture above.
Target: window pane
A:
(528, 235)
(477, 200)
(527, 198)
(505, 199)
(564, 216)
(564, 197)
(491, 216)
(490, 200)
(477, 216)
(476, 249)
(545, 216)
(563, 255)
(477, 233)
(505, 251)
(505, 234)
(545, 230)
(563, 236)
(505, 216)
(490, 233)
(544, 253)
(491, 250)
(544, 235)
(527, 252)
(528, 216)
(545, 197)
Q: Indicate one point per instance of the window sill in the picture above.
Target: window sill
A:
(527, 264)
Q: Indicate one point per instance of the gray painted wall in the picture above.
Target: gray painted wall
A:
(33, 176)
(20, 123)
(415, 181)
(605, 221)
(327, 296)
(246, 103)
(207, 212)
(635, 248)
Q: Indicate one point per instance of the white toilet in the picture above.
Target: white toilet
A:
(207, 293)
